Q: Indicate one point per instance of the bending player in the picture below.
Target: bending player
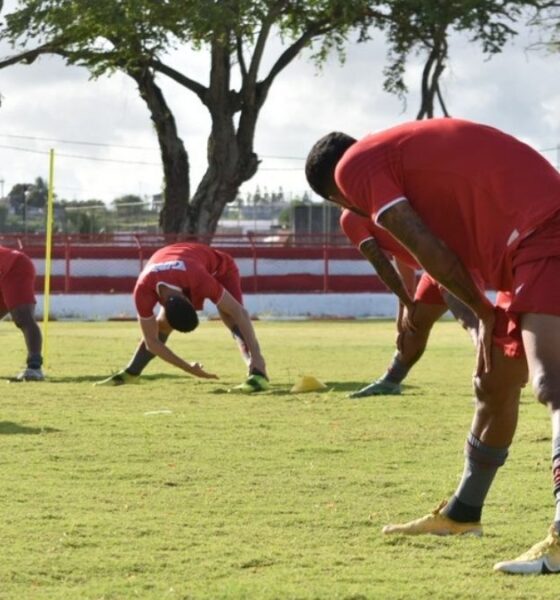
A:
(180, 277)
(17, 297)
(472, 204)
(426, 301)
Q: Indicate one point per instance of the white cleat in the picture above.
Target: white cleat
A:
(542, 559)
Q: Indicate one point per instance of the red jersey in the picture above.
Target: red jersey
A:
(479, 190)
(7, 258)
(188, 267)
(358, 229)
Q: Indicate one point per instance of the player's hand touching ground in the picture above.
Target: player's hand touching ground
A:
(197, 370)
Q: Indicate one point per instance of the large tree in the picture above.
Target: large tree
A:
(424, 27)
(136, 36)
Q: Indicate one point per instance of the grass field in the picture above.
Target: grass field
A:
(176, 488)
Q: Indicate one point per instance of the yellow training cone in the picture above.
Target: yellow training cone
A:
(308, 383)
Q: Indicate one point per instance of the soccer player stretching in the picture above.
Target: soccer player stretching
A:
(425, 299)
(477, 208)
(17, 297)
(180, 277)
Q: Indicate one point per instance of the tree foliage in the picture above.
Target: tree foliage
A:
(138, 37)
(424, 27)
(24, 195)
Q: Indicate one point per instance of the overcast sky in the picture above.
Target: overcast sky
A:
(517, 91)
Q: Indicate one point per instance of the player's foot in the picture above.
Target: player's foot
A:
(253, 383)
(120, 378)
(543, 558)
(436, 523)
(381, 387)
(31, 375)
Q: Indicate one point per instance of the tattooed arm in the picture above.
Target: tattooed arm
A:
(445, 267)
(386, 272)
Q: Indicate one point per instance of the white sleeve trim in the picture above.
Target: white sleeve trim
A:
(169, 285)
(371, 237)
(386, 207)
(221, 297)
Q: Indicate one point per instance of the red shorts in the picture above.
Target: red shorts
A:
(231, 280)
(18, 285)
(536, 285)
(428, 291)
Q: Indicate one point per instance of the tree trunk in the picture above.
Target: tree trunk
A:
(231, 160)
(174, 157)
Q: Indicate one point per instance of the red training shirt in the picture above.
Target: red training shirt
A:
(479, 190)
(188, 267)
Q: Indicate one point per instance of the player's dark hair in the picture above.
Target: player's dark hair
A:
(180, 314)
(322, 160)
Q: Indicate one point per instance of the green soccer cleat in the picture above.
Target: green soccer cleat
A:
(435, 523)
(381, 387)
(542, 559)
(120, 378)
(253, 383)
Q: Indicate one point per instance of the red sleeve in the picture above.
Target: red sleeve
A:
(145, 300)
(356, 228)
(366, 178)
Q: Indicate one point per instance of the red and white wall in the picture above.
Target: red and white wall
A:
(95, 280)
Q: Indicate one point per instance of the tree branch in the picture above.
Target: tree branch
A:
(240, 57)
(30, 56)
(194, 86)
(290, 53)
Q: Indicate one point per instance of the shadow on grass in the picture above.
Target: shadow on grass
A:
(284, 390)
(74, 379)
(96, 378)
(10, 428)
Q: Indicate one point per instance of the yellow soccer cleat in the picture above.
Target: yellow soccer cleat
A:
(542, 559)
(120, 378)
(435, 523)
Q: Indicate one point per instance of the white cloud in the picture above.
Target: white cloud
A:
(515, 91)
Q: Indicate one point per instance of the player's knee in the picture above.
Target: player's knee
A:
(484, 387)
(23, 318)
(546, 386)
(495, 394)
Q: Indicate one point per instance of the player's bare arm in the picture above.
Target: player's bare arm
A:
(444, 265)
(462, 313)
(386, 272)
(405, 315)
(150, 330)
(236, 318)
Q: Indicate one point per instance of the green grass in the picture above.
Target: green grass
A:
(270, 496)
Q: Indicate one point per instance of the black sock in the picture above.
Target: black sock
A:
(397, 371)
(34, 361)
(461, 512)
(258, 372)
(481, 465)
(142, 357)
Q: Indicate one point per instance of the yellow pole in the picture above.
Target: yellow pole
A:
(48, 261)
